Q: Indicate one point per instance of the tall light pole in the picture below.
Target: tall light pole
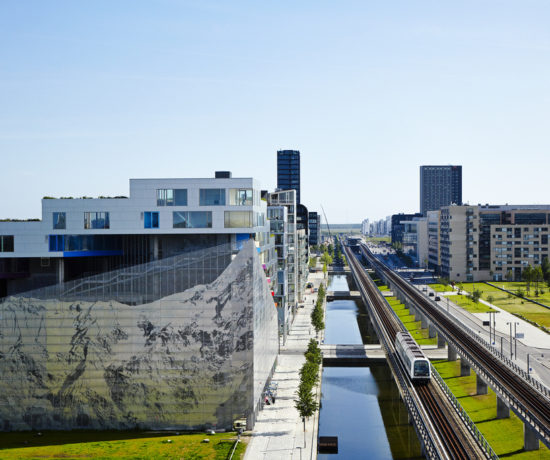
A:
(511, 346)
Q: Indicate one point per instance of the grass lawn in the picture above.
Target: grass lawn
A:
(441, 287)
(414, 327)
(514, 286)
(529, 310)
(379, 239)
(469, 305)
(117, 444)
(504, 435)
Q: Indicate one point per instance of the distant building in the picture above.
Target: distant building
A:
(415, 240)
(397, 228)
(365, 227)
(288, 171)
(314, 228)
(433, 240)
(439, 186)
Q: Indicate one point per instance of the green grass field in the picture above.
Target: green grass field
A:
(513, 304)
(441, 287)
(504, 435)
(468, 304)
(117, 444)
(414, 327)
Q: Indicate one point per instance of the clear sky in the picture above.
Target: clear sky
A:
(93, 93)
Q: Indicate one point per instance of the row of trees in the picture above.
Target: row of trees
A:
(309, 376)
(317, 315)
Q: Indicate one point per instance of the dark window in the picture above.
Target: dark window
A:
(96, 220)
(421, 368)
(57, 243)
(59, 221)
(151, 220)
(6, 243)
(212, 197)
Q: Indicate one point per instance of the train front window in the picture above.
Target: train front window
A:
(421, 368)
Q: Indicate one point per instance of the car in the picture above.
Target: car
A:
(315, 290)
(437, 298)
(424, 289)
(431, 294)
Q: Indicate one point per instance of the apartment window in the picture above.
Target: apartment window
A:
(96, 220)
(212, 197)
(172, 197)
(240, 197)
(6, 243)
(150, 220)
(59, 221)
(57, 243)
(192, 219)
(238, 219)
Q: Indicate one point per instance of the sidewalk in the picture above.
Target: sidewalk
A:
(279, 431)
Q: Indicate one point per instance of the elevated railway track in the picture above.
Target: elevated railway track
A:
(524, 399)
(435, 421)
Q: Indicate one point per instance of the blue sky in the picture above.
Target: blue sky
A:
(95, 93)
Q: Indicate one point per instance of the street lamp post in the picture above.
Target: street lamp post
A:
(511, 345)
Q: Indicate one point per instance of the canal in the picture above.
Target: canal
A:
(361, 405)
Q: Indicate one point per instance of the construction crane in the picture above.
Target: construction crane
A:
(328, 226)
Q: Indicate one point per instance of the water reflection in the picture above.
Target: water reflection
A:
(361, 405)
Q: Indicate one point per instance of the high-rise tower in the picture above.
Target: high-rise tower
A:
(288, 171)
(439, 186)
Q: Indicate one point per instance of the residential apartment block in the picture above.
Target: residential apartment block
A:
(488, 242)
(160, 218)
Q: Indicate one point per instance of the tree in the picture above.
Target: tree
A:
(490, 299)
(476, 295)
(546, 269)
(538, 276)
(509, 275)
(527, 275)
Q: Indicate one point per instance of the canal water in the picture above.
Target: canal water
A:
(361, 405)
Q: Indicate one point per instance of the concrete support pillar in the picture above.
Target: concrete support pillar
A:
(440, 341)
(412, 311)
(423, 322)
(451, 353)
(60, 270)
(481, 386)
(464, 368)
(155, 248)
(432, 332)
(417, 316)
(530, 439)
(503, 411)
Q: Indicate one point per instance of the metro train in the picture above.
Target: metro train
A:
(412, 358)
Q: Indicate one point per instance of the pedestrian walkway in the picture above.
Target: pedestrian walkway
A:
(279, 431)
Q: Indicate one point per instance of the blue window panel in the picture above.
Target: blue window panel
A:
(151, 220)
(57, 243)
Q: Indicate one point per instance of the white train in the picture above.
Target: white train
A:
(414, 361)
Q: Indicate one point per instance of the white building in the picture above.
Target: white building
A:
(160, 218)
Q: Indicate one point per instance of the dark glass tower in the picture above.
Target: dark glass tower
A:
(439, 186)
(288, 171)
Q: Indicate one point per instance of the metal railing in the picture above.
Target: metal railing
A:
(478, 436)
